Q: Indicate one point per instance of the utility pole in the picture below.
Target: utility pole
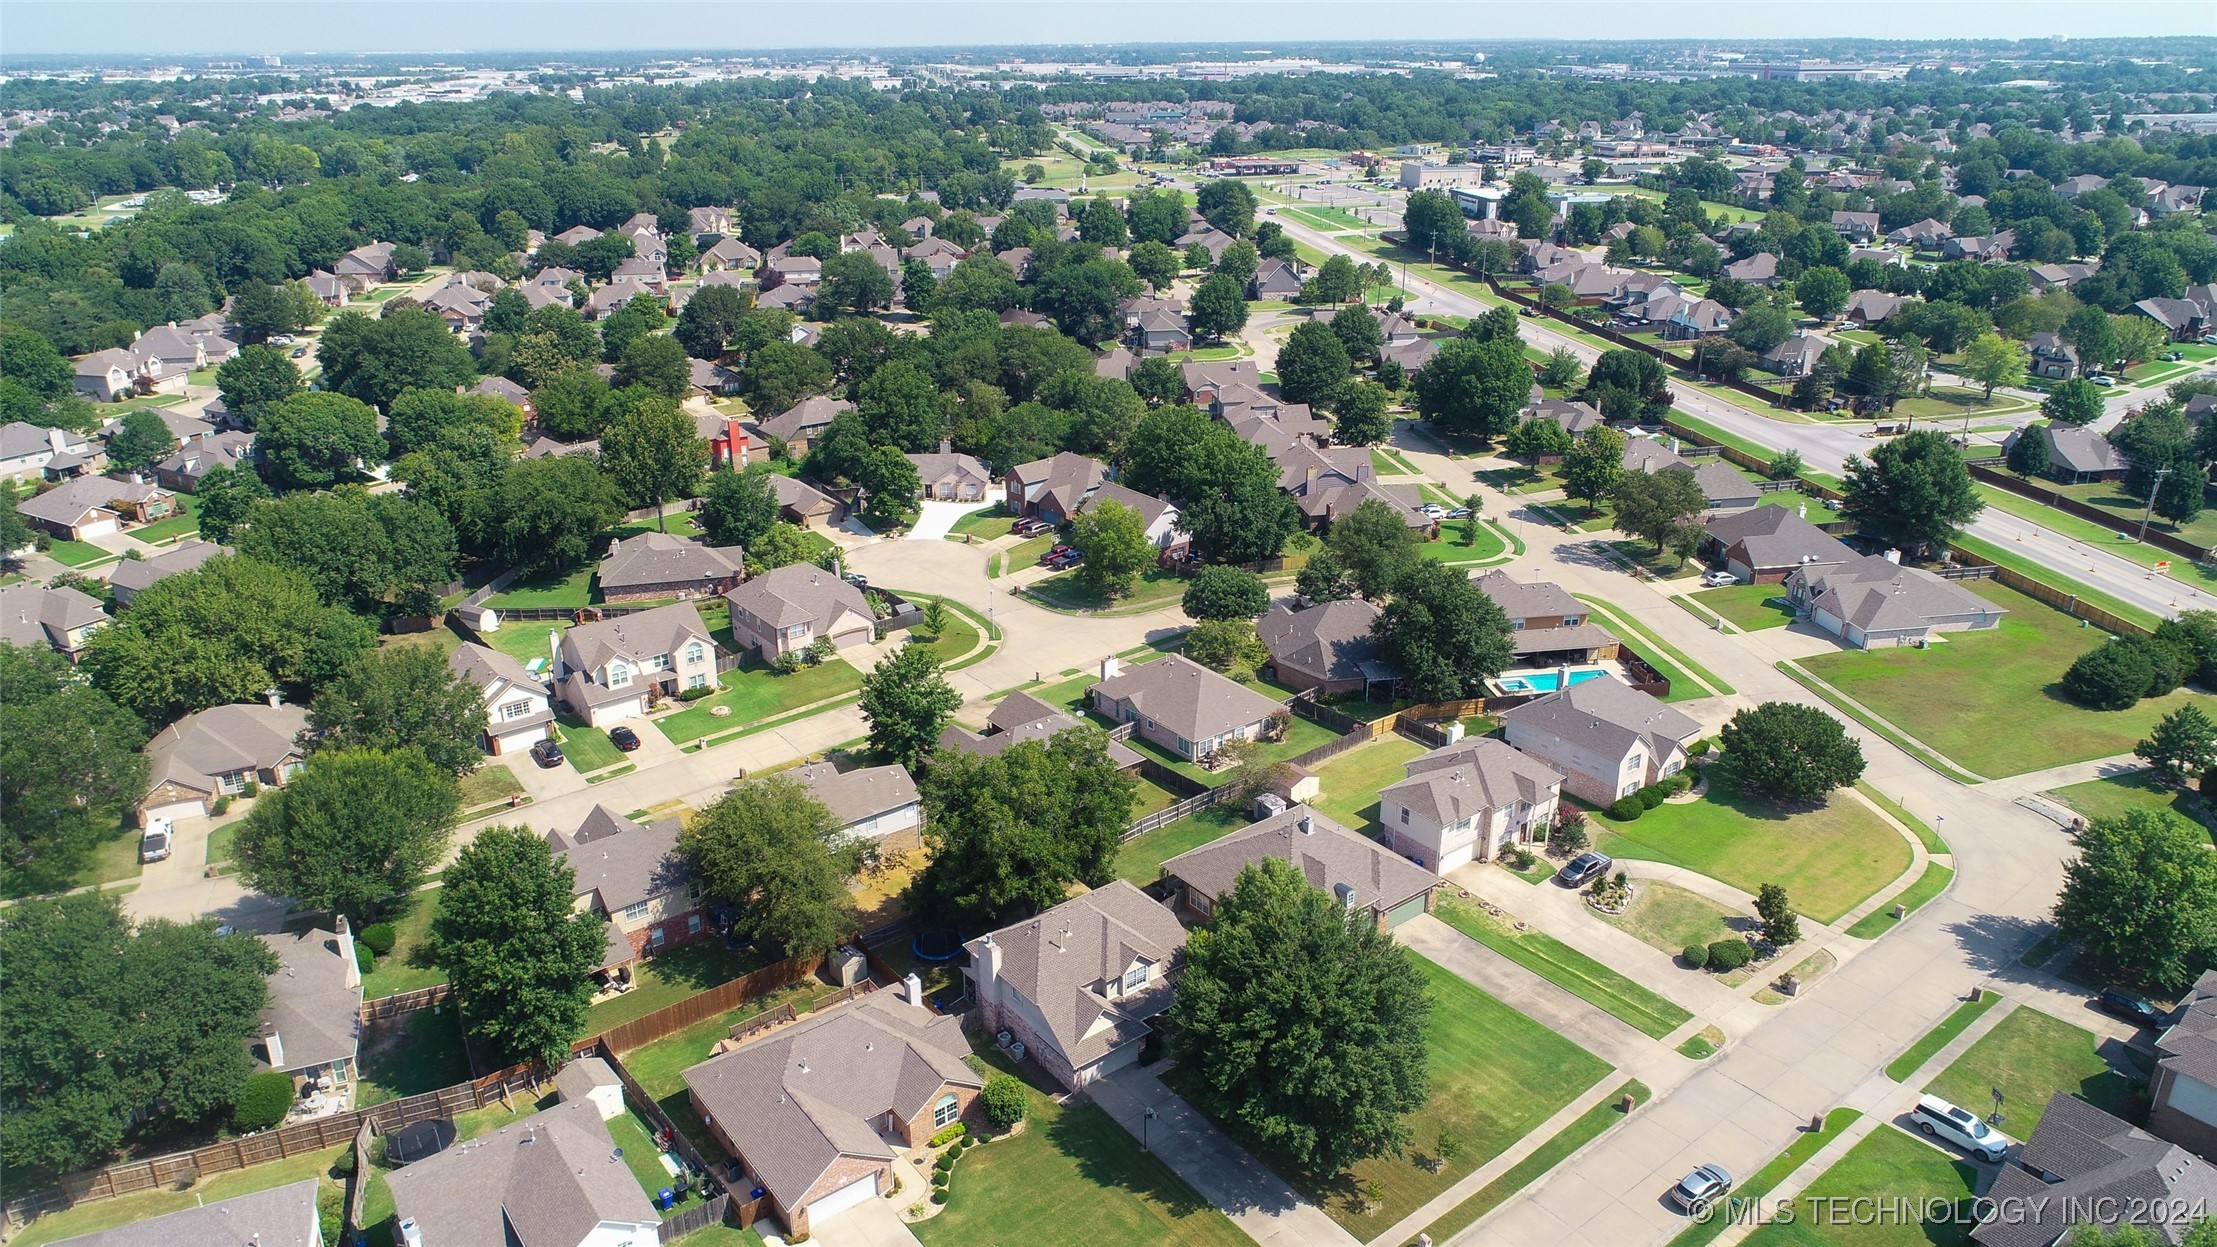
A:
(2160, 473)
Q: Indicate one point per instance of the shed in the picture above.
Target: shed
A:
(590, 1078)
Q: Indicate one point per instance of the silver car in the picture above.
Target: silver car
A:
(1698, 1191)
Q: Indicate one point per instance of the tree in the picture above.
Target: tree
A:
(779, 858)
(854, 281)
(779, 374)
(1993, 360)
(2028, 451)
(2141, 898)
(1009, 834)
(1498, 324)
(1474, 388)
(1913, 491)
(142, 441)
(374, 554)
(517, 951)
(1781, 925)
(70, 769)
(1562, 369)
(907, 701)
(550, 510)
(979, 283)
(2074, 402)
(900, 406)
(1655, 505)
(653, 452)
(1154, 263)
(1229, 500)
(1822, 292)
(2113, 675)
(1154, 215)
(919, 288)
(2137, 338)
(1225, 593)
(737, 507)
(1786, 751)
(224, 632)
(260, 311)
(2091, 331)
(656, 362)
(1593, 465)
(1303, 1027)
(1113, 538)
(1324, 579)
(710, 319)
(1784, 466)
(405, 349)
(1228, 205)
(352, 829)
(1227, 645)
(1338, 280)
(1759, 329)
(313, 440)
(421, 418)
(1442, 633)
(1363, 414)
(1085, 299)
(409, 698)
(255, 378)
(1357, 327)
(780, 545)
(1536, 439)
(1312, 365)
(640, 316)
(1432, 220)
(1633, 373)
(2183, 745)
(1239, 262)
(226, 494)
(1376, 546)
(1219, 307)
(889, 485)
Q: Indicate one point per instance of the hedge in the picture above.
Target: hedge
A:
(264, 1101)
(1626, 809)
(1730, 954)
(1696, 955)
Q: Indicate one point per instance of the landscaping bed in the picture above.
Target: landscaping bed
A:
(1669, 918)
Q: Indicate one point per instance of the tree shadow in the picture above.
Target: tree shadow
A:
(1107, 1156)
(1993, 942)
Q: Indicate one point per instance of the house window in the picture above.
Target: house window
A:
(693, 653)
(1572, 621)
(696, 680)
(692, 924)
(944, 1112)
(234, 782)
(516, 709)
(796, 632)
(693, 890)
(1629, 787)
(1136, 977)
(654, 938)
(1516, 625)
(634, 913)
(619, 675)
(1404, 814)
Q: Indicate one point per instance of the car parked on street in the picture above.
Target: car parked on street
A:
(1698, 1191)
(2131, 1006)
(623, 738)
(1942, 1120)
(1582, 868)
(546, 752)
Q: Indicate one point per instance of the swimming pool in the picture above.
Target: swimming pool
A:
(1547, 681)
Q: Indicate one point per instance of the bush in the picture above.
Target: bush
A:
(1702, 748)
(969, 1141)
(822, 649)
(1653, 795)
(263, 1102)
(331, 1213)
(2112, 676)
(1004, 1100)
(221, 807)
(1568, 837)
(1730, 954)
(1626, 809)
(1696, 955)
(695, 694)
(787, 663)
(955, 1131)
(938, 1197)
(2209, 783)
(380, 937)
(364, 958)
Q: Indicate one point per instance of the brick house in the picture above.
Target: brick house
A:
(634, 876)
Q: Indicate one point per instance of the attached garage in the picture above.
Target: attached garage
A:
(856, 1192)
(171, 806)
(1408, 909)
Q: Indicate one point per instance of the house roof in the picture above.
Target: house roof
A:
(1583, 636)
(283, 1216)
(1327, 854)
(938, 467)
(1803, 347)
(2081, 450)
(863, 793)
(804, 417)
(1151, 507)
(795, 594)
(553, 1177)
(1774, 537)
(621, 862)
(800, 1097)
(1574, 417)
(134, 575)
(800, 495)
(1468, 777)
(315, 1010)
(636, 637)
(484, 666)
(31, 614)
(1187, 698)
(1021, 717)
(227, 449)
(2188, 1047)
(1873, 305)
(654, 558)
(1606, 717)
(223, 740)
(18, 439)
(69, 502)
(1066, 478)
(501, 387)
(1878, 595)
(1069, 962)
(1520, 599)
(1330, 641)
(2102, 1169)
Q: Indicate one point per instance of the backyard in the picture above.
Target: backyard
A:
(1903, 1168)
(162, 532)
(411, 1054)
(1349, 783)
(1139, 861)
(659, 1067)
(2029, 1057)
(1991, 700)
(757, 694)
(393, 974)
(673, 975)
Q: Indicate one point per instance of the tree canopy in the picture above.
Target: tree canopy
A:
(1442, 633)
(2141, 898)
(405, 698)
(1913, 491)
(1786, 751)
(779, 858)
(907, 701)
(352, 829)
(514, 946)
(70, 769)
(1009, 834)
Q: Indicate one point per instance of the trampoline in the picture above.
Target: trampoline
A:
(943, 944)
(410, 1144)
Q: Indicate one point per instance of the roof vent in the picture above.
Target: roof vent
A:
(800, 1067)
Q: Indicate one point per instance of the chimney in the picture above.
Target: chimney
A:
(614, 545)
(273, 696)
(411, 1234)
(346, 953)
(1308, 822)
(913, 987)
(985, 968)
(1894, 557)
(1111, 667)
(273, 1045)
(946, 446)
(1562, 677)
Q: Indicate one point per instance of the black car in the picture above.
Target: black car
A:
(546, 753)
(2131, 1006)
(624, 738)
(1583, 867)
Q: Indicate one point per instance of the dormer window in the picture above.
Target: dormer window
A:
(619, 675)
(1136, 977)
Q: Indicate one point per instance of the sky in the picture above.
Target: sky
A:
(215, 27)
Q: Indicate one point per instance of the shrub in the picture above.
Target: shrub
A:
(364, 958)
(331, 1213)
(1004, 1100)
(695, 694)
(2111, 676)
(1696, 955)
(1653, 795)
(955, 1131)
(221, 807)
(1680, 784)
(1702, 748)
(343, 1164)
(1730, 954)
(263, 1102)
(939, 1196)
(788, 662)
(822, 649)
(380, 937)
(1626, 809)
(1568, 837)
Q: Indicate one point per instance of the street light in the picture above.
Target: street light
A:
(1144, 1118)
(2160, 473)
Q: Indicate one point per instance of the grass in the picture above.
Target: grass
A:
(670, 976)
(1075, 1169)
(644, 1160)
(1685, 675)
(411, 1055)
(1947, 402)
(186, 520)
(1991, 700)
(1891, 1165)
(393, 974)
(556, 590)
(985, 525)
(2122, 544)
(1751, 608)
(588, 749)
(1152, 798)
(2110, 496)
(1940, 1036)
(1668, 917)
(1139, 861)
(756, 693)
(77, 553)
(109, 1213)
(1930, 884)
(2007, 556)
(1765, 1180)
(1063, 591)
(1026, 553)
(1349, 783)
(1569, 969)
(1590, 1125)
(2140, 790)
(1450, 548)
(1828, 857)
(488, 784)
(1878, 727)
(2028, 1057)
(659, 1067)
(1932, 841)
(1703, 1045)
(1495, 1074)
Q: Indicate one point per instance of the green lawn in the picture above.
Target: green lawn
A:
(1991, 700)
(1349, 783)
(77, 553)
(1026, 553)
(524, 640)
(1139, 861)
(667, 977)
(2117, 794)
(588, 749)
(423, 1054)
(1495, 1074)
(2029, 1057)
(556, 590)
(1685, 675)
(644, 1160)
(108, 1213)
(659, 1067)
(1940, 1036)
(187, 520)
(1751, 608)
(1923, 831)
(1074, 1169)
(1302, 735)
(1879, 921)
(1892, 1165)
(1947, 402)
(393, 973)
(1764, 1180)
(1668, 917)
(1063, 591)
(985, 525)
(2007, 555)
(2110, 496)
(488, 785)
(1828, 857)
(1585, 1129)
(1567, 968)
(1492, 543)
(757, 694)
(960, 638)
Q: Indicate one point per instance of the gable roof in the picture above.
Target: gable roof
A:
(316, 1011)
(1528, 600)
(798, 593)
(1330, 640)
(1068, 961)
(132, 576)
(69, 502)
(1468, 777)
(1878, 595)
(636, 637)
(859, 794)
(1775, 536)
(804, 417)
(1187, 698)
(32, 614)
(552, 1178)
(1606, 717)
(1151, 507)
(222, 740)
(2080, 449)
(1021, 717)
(482, 665)
(620, 861)
(939, 467)
(1327, 854)
(2100, 1168)
(283, 1216)
(800, 495)
(1066, 478)
(655, 558)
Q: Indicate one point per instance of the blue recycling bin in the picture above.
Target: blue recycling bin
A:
(666, 1199)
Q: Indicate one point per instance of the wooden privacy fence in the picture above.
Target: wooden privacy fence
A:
(698, 1217)
(692, 1010)
(1978, 568)
(387, 1007)
(1179, 809)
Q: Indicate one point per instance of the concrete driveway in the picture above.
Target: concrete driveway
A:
(938, 518)
(873, 1223)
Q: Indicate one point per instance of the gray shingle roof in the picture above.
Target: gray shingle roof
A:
(654, 558)
(1607, 717)
(317, 1013)
(644, 635)
(804, 417)
(1539, 599)
(2081, 450)
(1187, 698)
(1774, 537)
(2099, 1162)
(862, 793)
(1021, 717)
(134, 575)
(1066, 478)
(550, 1178)
(799, 593)
(224, 739)
(1878, 595)
(283, 1216)
(620, 861)
(800, 495)
(1552, 640)
(1327, 855)
(1329, 641)
(1469, 777)
(1066, 960)
(69, 502)
(32, 615)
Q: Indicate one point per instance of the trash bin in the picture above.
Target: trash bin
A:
(665, 1199)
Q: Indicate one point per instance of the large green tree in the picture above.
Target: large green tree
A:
(1219, 307)
(516, 949)
(141, 441)
(1594, 465)
(1113, 538)
(423, 418)
(2141, 898)
(314, 439)
(551, 509)
(2183, 745)
(70, 769)
(907, 701)
(738, 507)
(1786, 751)
(710, 319)
(1225, 593)
(1229, 501)
(1913, 491)
(403, 698)
(1474, 388)
(1009, 834)
(2075, 402)
(1655, 505)
(1376, 546)
(351, 830)
(653, 452)
(855, 282)
(407, 349)
(778, 857)
(1312, 365)
(371, 553)
(1442, 634)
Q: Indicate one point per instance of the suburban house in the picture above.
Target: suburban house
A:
(1078, 984)
(1795, 357)
(1763, 545)
(505, 390)
(1856, 226)
(816, 1110)
(312, 1025)
(132, 577)
(1158, 515)
(1363, 875)
(613, 669)
(1546, 624)
(2065, 276)
(62, 619)
(1160, 331)
(26, 449)
(219, 752)
(1327, 484)
(1874, 600)
(657, 565)
(945, 476)
(2052, 357)
(2183, 1094)
(782, 611)
(118, 373)
(1926, 235)
(96, 506)
(1052, 489)
(1327, 647)
(182, 472)
(801, 424)
(365, 266)
(1760, 269)
(873, 802)
(1607, 740)
(283, 1216)
(2076, 455)
(2186, 320)
(1869, 307)
(1275, 279)
(1468, 801)
(555, 1177)
(328, 289)
(1722, 489)
(1573, 416)
(2084, 1166)
(519, 713)
(634, 876)
(1181, 705)
(1021, 717)
(802, 504)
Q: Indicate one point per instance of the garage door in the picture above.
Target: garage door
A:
(1404, 911)
(842, 1199)
(174, 811)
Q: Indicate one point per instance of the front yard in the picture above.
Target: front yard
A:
(2116, 794)
(1668, 917)
(1894, 1166)
(2029, 1057)
(1567, 968)
(1992, 700)
(162, 532)
(758, 694)
(1751, 608)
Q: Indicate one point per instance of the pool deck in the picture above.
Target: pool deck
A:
(1545, 679)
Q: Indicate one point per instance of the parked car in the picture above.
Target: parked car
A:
(1433, 510)
(1582, 868)
(1053, 553)
(857, 579)
(1698, 1190)
(624, 738)
(2131, 1006)
(1717, 580)
(1942, 1120)
(300, 352)
(546, 752)
(154, 842)
(2104, 382)
(1458, 513)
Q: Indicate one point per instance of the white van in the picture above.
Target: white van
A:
(1942, 1120)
